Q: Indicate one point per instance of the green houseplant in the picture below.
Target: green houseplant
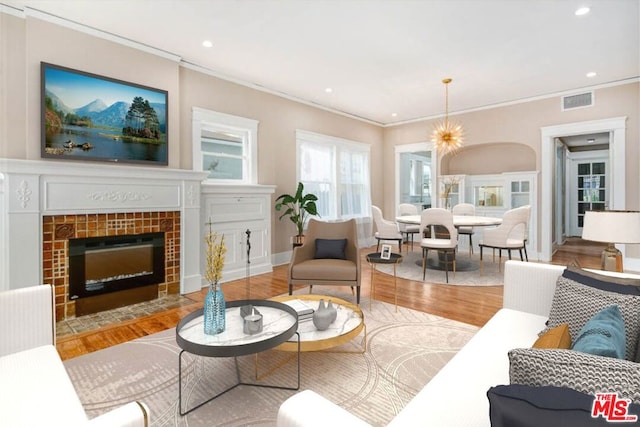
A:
(297, 208)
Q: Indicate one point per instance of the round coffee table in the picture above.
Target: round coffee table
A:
(348, 325)
(280, 324)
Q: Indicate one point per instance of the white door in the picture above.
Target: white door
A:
(588, 185)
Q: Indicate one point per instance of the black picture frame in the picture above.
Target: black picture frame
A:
(86, 116)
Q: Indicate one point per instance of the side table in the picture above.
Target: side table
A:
(376, 258)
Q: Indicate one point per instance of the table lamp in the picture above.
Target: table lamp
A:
(612, 227)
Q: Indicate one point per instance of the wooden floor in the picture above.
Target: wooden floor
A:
(470, 304)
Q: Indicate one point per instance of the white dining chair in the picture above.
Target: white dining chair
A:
(465, 209)
(408, 230)
(442, 237)
(386, 230)
(510, 235)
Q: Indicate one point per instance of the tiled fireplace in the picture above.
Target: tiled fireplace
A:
(60, 230)
(45, 204)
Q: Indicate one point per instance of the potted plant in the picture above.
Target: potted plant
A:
(297, 208)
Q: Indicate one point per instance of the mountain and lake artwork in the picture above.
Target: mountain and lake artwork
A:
(91, 117)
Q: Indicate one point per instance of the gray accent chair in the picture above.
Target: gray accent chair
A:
(306, 269)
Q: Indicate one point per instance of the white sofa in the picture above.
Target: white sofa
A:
(35, 387)
(457, 394)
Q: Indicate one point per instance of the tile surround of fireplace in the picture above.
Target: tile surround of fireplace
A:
(58, 229)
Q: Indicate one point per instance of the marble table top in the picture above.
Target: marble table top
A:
(279, 324)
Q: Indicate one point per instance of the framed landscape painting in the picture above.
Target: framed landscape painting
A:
(91, 117)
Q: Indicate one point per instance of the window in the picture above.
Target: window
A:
(225, 146)
(337, 171)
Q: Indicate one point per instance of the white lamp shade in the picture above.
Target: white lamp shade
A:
(612, 226)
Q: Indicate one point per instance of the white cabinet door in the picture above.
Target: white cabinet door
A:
(232, 211)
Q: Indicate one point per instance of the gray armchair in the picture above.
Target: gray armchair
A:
(329, 256)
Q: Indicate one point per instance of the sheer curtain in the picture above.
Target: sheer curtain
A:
(337, 171)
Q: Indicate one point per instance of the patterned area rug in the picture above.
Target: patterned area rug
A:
(403, 352)
(467, 269)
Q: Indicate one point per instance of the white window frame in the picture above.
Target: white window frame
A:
(337, 145)
(246, 128)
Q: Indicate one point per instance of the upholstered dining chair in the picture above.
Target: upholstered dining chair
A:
(465, 209)
(408, 230)
(510, 235)
(329, 256)
(386, 230)
(442, 236)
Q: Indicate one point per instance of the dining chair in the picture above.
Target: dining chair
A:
(386, 230)
(408, 230)
(442, 236)
(465, 209)
(509, 235)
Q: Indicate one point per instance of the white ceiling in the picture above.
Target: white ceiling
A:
(384, 56)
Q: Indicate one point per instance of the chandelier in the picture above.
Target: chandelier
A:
(447, 136)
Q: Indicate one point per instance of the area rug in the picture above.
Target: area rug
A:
(411, 268)
(403, 352)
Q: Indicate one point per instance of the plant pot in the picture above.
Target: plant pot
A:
(298, 240)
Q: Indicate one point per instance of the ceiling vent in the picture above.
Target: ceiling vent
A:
(580, 100)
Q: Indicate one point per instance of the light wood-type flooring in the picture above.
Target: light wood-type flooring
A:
(473, 305)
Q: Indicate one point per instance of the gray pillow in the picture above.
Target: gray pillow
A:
(575, 303)
(330, 248)
(583, 372)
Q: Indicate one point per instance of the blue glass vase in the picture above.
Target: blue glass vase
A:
(214, 310)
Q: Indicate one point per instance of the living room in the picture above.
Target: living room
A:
(32, 37)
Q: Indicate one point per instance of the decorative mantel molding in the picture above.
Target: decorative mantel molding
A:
(31, 189)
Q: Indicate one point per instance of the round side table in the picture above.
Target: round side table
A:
(376, 258)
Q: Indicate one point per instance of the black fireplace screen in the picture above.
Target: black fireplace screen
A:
(99, 265)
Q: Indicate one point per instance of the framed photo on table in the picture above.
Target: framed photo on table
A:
(386, 252)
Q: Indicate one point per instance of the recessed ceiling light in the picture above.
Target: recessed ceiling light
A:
(328, 90)
(582, 11)
(394, 114)
(591, 74)
(207, 43)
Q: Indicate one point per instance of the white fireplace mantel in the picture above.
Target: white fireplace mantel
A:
(31, 189)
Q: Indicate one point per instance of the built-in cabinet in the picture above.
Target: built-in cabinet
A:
(233, 210)
(451, 190)
(493, 195)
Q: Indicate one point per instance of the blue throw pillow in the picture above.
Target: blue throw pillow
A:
(603, 335)
(330, 248)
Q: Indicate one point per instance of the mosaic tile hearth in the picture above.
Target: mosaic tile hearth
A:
(95, 321)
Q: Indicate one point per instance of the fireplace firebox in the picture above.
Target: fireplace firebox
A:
(110, 264)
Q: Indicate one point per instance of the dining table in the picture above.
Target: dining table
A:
(458, 221)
